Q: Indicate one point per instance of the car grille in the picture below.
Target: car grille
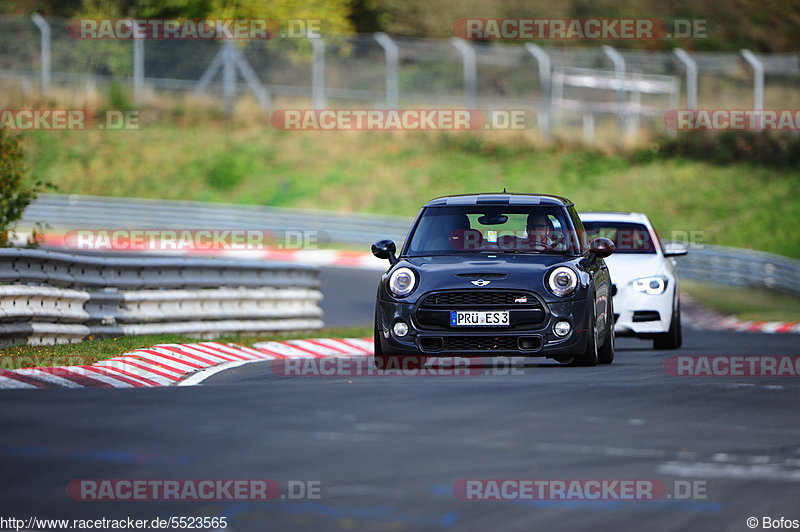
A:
(479, 343)
(527, 310)
(481, 298)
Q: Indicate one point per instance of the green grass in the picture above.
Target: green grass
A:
(745, 303)
(91, 351)
(742, 205)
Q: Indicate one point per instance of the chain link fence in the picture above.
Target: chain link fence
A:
(379, 71)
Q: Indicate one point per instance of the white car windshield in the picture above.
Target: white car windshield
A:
(628, 237)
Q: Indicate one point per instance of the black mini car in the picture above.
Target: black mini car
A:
(495, 275)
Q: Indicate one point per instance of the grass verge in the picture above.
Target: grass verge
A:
(738, 204)
(90, 351)
(745, 303)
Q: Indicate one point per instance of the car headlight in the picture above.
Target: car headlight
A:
(650, 285)
(402, 282)
(563, 281)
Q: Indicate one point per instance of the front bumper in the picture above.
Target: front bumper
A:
(641, 314)
(488, 341)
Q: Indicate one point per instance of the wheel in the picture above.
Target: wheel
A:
(384, 362)
(672, 339)
(589, 356)
(605, 355)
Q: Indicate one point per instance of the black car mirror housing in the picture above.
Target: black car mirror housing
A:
(602, 247)
(385, 249)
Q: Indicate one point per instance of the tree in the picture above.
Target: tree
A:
(15, 193)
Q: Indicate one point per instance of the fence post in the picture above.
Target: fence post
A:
(619, 70)
(248, 74)
(392, 67)
(138, 66)
(545, 87)
(587, 120)
(691, 77)
(470, 70)
(758, 82)
(228, 75)
(44, 29)
(318, 73)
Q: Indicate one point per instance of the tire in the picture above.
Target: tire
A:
(386, 362)
(605, 355)
(589, 356)
(672, 339)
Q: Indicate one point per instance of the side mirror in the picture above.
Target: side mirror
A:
(385, 249)
(674, 249)
(602, 247)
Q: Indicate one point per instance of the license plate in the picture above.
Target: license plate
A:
(478, 318)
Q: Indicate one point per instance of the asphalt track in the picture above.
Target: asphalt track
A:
(388, 450)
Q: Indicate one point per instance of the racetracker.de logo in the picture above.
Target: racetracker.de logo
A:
(192, 239)
(358, 367)
(67, 119)
(192, 490)
(172, 29)
(402, 119)
(559, 490)
(733, 366)
(558, 29)
(732, 119)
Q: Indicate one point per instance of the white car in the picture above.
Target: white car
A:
(645, 285)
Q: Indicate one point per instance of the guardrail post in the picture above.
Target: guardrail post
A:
(619, 70)
(44, 29)
(392, 67)
(318, 73)
(758, 81)
(470, 70)
(545, 88)
(691, 77)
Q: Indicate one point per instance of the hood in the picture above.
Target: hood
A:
(625, 267)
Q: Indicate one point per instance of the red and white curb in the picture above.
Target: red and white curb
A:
(698, 316)
(729, 323)
(177, 364)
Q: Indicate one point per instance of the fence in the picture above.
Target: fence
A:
(56, 297)
(722, 265)
(384, 71)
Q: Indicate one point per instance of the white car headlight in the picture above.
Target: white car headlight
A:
(650, 285)
(402, 282)
(563, 281)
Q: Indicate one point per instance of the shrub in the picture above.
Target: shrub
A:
(15, 193)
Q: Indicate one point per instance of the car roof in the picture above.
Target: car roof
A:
(614, 216)
(499, 198)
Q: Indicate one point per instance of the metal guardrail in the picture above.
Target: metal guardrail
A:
(72, 212)
(741, 267)
(60, 297)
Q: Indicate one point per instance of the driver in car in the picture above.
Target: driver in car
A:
(541, 233)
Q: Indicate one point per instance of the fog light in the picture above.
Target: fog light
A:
(400, 329)
(562, 328)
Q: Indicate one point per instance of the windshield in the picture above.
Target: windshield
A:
(454, 230)
(628, 237)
